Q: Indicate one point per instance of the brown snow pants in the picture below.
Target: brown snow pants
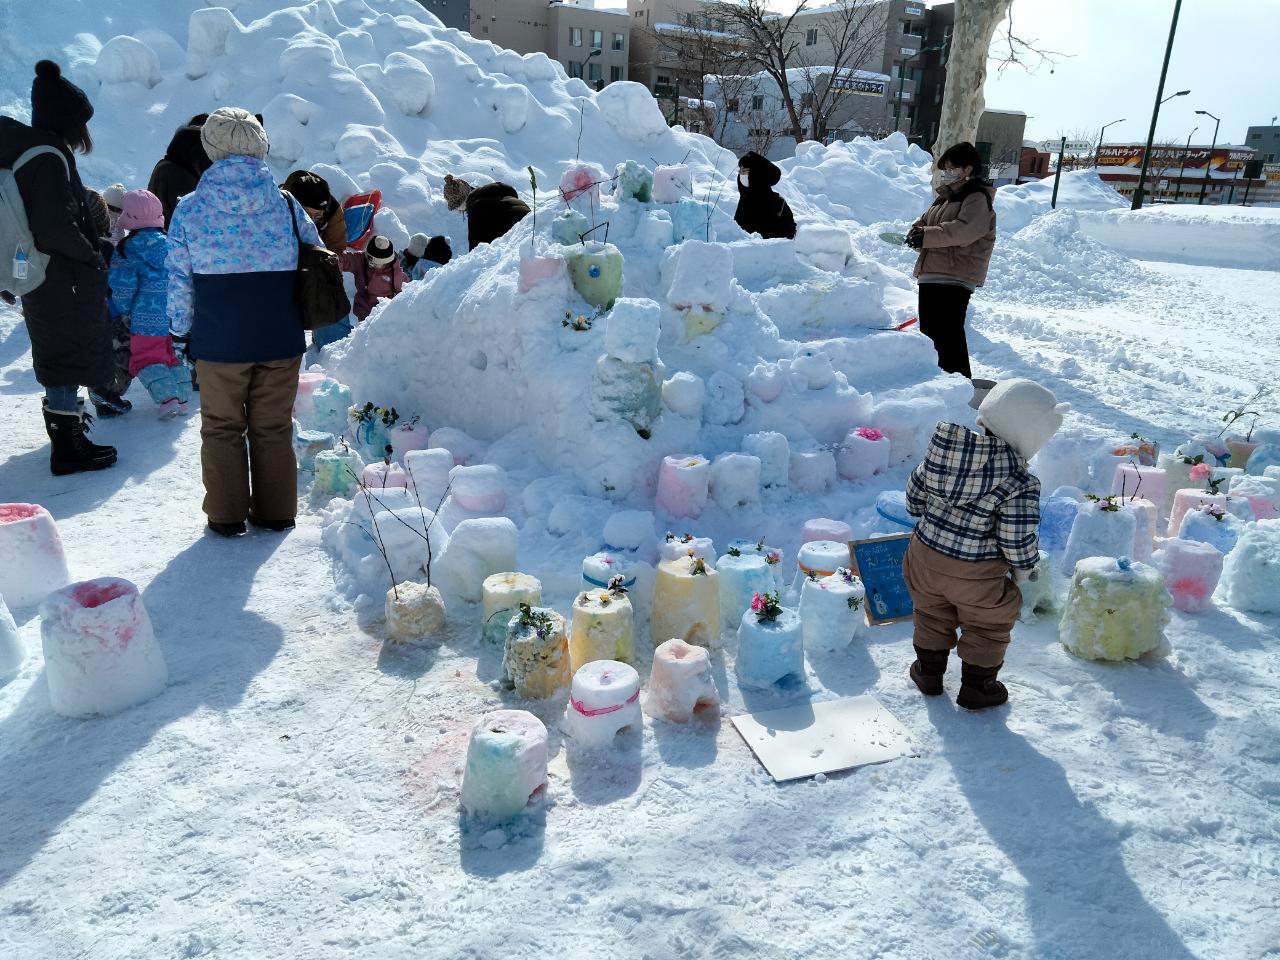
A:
(250, 402)
(976, 597)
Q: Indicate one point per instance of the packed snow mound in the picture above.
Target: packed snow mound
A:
(861, 180)
(1018, 204)
(1225, 236)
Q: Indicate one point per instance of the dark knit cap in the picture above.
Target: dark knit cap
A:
(57, 104)
(309, 190)
(438, 250)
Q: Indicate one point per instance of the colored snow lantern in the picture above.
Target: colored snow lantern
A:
(774, 452)
(818, 559)
(692, 220)
(812, 471)
(304, 407)
(596, 271)
(1190, 498)
(414, 611)
(1146, 525)
(429, 472)
(477, 548)
(568, 228)
(1057, 514)
(1211, 525)
(1265, 456)
(380, 475)
(506, 764)
(1134, 480)
(892, 513)
(31, 558)
(683, 485)
(479, 489)
(672, 182)
(741, 578)
(626, 390)
(686, 602)
(409, 435)
(1116, 609)
(1177, 477)
(537, 268)
(330, 402)
(100, 652)
(735, 480)
(601, 627)
(536, 656)
(865, 453)
(831, 610)
(1038, 594)
(12, 651)
(580, 185)
(769, 650)
(501, 596)
(1102, 528)
(1241, 451)
(679, 546)
(308, 443)
(1251, 574)
(635, 182)
(632, 330)
(1263, 494)
(599, 569)
(1211, 448)
(823, 528)
(680, 682)
(1191, 570)
(603, 701)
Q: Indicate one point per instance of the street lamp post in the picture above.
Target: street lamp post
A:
(1155, 112)
(1208, 164)
(1177, 197)
(1102, 133)
(599, 84)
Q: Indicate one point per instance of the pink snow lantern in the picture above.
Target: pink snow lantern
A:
(535, 269)
(304, 404)
(822, 528)
(683, 485)
(680, 682)
(32, 561)
(479, 489)
(581, 181)
(379, 475)
(1150, 483)
(410, 436)
(1191, 571)
(1187, 499)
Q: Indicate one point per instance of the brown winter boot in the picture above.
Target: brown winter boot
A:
(928, 669)
(980, 689)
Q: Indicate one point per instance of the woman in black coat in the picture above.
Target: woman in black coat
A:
(492, 210)
(179, 170)
(66, 315)
(760, 209)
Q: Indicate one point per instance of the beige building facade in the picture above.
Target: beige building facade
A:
(591, 44)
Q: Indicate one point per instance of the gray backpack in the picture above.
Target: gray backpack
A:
(22, 266)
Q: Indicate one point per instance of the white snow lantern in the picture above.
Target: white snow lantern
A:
(1177, 476)
(865, 453)
(1102, 528)
(769, 650)
(824, 528)
(818, 559)
(1263, 494)
(380, 475)
(501, 595)
(1146, 525)
(601, 627)
(1038, 595)
(100, 652)
(813, 471)
(686, 602)
(1116, 609)
(831, 610)
(535, 659)
(1191, 571)
(506, 764)
(414, 611)
(600, 568)
(631, 330)
(680, 682)
(1251, 574)
(429, 473)
(629, 530)
(12, 651)
(741, 578)
(684, 394)
(677, 547)
(735, 480)
(31, 559)
(900, 421)
(464, 447)
(603, 701)
(774, 452)
(479, 489)
(671, 183)
(683, 485)
(478, 548)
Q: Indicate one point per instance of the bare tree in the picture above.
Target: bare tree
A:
(771, 46)
(696, 56)
(853, 35)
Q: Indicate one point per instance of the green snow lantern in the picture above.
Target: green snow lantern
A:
(336, 471)
(596, 271)
(568, 228)
(635, 182)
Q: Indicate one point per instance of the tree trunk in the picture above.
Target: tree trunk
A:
(962, 100)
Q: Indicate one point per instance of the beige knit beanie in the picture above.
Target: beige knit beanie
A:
(232, 132)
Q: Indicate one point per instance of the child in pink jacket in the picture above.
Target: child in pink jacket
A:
(378, 274)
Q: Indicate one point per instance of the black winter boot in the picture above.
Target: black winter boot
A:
(107, 403)
(980, 689)
(71, 450)
(928, 669)
(86, 418)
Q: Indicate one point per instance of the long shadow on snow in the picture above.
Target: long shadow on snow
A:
(50, 766)
(1080, 899)
(1156, 692)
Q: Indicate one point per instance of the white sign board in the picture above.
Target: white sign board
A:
(823, 737)
(1073, 146)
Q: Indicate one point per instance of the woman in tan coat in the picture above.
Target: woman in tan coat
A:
(955, 237)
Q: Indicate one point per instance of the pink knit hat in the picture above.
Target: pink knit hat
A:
(141, 208)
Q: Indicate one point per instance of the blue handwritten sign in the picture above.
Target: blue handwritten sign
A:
(878, 562)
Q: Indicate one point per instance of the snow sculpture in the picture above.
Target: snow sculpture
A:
(629, 391)
(125, 59)
(1135, 480)
(308, 443)
(831, 610)
(675, 547)
(822, 246)
(604, 701)
(671, 183)
(381, 476)
(569, 228)
(479, 489)
(500, 597)
(775, 457)
(741, 578)
(429, 473)
(635, 182)
(735, 480)
(691, 220)
(337, 471)
(580, 186)
(629, 530)
(1038, 594)
(824, 528)
(680, 682)
(683, 485)
(596, 271)
(1191, 570)
(813, 471)
(1251, 574)
(819, 558)
(477, 548)
(1263, 494)
(684, 394)
(601, 627)
(1192, 498)
(31, 558)
(1116, 609)
(11, 650)
(599, 569)
(726, 401)
(101, 655)
(1211, 525)
(506, 764)
(330, 402)
(865, 453)
(536, 658)
(1057, 515)
(1266, 455)
(812, 369)
(701, 286)
(413, 611)
(632, 330)
(769, 649)
(1102, 528)
(686, 602)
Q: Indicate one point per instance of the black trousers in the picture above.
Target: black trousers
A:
(942, 312)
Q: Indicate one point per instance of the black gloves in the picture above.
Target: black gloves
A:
(915, 239)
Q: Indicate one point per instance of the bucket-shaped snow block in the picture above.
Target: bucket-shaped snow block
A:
(632, 329)
(501, 595)
(12, 652)
(819, 558)
(383, 476)
(1263, 494)
(741, 578)
(599, 569)
(672, 182)
(1057, 515)
(626, 390)
(683, 485)
(774, 452)
(692, 220)
(604, 700)
(330, 402)
(537, 268)
(1039, 595)
(772, 555)
(1177, 477)
(864, 453)
(1251, 574)
(680, 682)
(536, 656)
(596, 271)
(1266, 455)
(601, 627)
(414, 611)
(1191, 571)
(32, 561)
(812, 471)
(1102, 528)
(100, 652)
(635, 182)
(1116, 609)
(506, 764)
(580, 186)
(891, 512)
(1211, 525)
(406, 436)
(479, 489)
(336, 472)
(903, 422)
(429, 473)
(735, 480)
(831, 610)
(372, 437)
(308, 443)
(686, 602)
(304, 403)
(678, 546)
(1192, 498)
(1241, 451)
(1134, 480)
(1146, 527)
(568, 228)
(769, 650)
(477, 548)
(824, 528)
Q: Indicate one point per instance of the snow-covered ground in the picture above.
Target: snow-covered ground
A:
(294, 791)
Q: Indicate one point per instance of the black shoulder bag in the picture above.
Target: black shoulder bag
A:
(322, 299)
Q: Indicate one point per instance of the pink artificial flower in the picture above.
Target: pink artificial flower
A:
(1201, 472)
(870, 433)
(757, 603)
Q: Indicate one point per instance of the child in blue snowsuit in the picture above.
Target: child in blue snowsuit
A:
(139, 288)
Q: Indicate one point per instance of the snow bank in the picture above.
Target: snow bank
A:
(1211, 236)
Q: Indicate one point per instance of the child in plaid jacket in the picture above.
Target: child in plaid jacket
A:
(976, 539)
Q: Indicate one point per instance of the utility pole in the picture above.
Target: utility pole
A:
(1155, 112)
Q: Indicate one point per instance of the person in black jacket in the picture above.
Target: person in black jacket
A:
(179, 170)
(760, 209)
(66, 315)
(492, 210)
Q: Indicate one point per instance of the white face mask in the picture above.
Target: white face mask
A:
(744, 180)
(952, 176)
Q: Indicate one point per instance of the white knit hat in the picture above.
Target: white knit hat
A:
(232, 132)
(418, 245)
(114, 194)
(1023, 414)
